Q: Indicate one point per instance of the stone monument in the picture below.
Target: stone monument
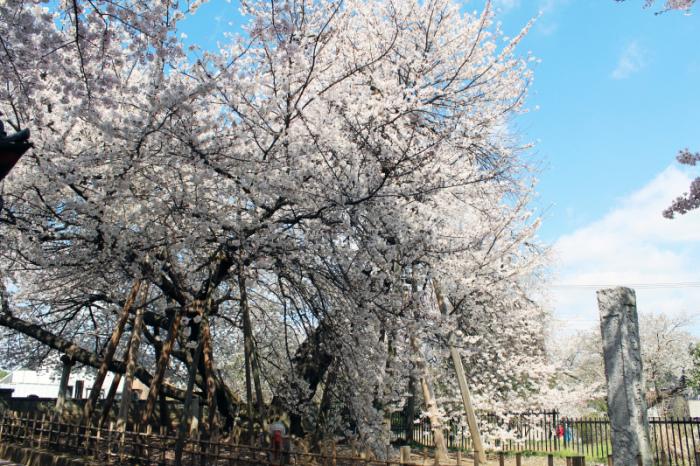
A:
(627, 409)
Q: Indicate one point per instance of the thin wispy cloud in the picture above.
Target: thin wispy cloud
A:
(506, 5)
(548, 6)
(548, 24)
(632, 59)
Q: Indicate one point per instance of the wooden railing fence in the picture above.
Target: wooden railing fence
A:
(112, 447)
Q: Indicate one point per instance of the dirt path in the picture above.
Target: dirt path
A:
(492, 460)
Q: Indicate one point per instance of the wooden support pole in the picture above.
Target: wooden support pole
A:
(208, 354)
(405, 455)
(462, 380)
(109, 400)
(518, 459)
(187, 409)
(550, 460)
(431, 405)
(131, 360)
(68, 363)
(109, 354)
(160, 368)
(501, 458)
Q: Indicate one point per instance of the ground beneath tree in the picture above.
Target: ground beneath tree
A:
(419, 458)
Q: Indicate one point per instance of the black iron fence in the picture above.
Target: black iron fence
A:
(674, 441)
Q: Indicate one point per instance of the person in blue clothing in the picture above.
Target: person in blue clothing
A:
(568, 434)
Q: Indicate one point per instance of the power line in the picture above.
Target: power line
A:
(630, 285)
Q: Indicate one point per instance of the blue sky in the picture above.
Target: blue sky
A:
(618, 90)
(616, 94)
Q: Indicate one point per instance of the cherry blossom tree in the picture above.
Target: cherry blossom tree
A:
(666, 346)
(668, 5)
(691, 199)
(284, 201)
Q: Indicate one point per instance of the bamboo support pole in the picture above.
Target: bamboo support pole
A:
(131, 360)
(160, 368)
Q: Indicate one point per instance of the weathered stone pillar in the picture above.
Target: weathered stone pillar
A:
(627, 409)
(68, 363)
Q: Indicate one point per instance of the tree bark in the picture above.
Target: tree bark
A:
(410, 408)
(248, 349)
(310, 364)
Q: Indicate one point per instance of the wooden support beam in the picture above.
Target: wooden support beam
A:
(187, 409)
(160, 368)
(109, 353)
(462, 380)
(431, 404)
(79, 354)
(208, 354)
(68, 363)
(132, 358)
(109, 400)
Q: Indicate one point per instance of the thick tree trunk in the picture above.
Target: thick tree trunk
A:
(248, 350)
(409, 411)
(310, 364)
(325, 407)
(109, 353)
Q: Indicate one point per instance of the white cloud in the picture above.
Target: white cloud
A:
(548, 6)
(506, 5)
(632, 244)
(547, 24)
(632, 59)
